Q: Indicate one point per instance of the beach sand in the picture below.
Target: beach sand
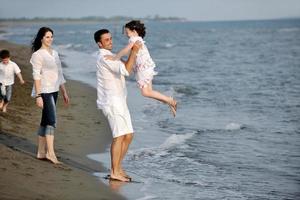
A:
(81, 129)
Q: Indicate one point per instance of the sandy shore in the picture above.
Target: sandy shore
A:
(82, 129)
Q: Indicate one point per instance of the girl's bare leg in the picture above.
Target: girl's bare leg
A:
(147, 91)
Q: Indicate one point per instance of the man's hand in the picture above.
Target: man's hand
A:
(136, 46)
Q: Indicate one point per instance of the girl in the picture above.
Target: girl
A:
(144, 66)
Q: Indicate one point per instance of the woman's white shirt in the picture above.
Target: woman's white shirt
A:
(47, 68)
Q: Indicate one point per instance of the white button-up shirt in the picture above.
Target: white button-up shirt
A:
(47, 68)
(111, 85)
(7, 73)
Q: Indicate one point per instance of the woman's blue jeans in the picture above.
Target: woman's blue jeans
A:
(48, 121)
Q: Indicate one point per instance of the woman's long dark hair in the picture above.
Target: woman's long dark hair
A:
(37, 41)
(138, 26)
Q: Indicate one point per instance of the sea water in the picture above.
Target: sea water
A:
(236, 134)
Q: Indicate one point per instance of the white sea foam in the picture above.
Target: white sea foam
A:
(233, 126)
(289, 29)
(169, 45)
(64, 46)
(147, 197)
(175, 139)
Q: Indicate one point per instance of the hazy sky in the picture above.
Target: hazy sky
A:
(190, 9)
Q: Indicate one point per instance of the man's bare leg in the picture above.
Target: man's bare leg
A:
(125, 145)
(116, 153)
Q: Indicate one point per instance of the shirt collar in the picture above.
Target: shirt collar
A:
(105, 51)
(9, 62)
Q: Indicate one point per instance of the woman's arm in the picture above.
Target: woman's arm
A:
(38, 98)
(65, 94)
(36, 62)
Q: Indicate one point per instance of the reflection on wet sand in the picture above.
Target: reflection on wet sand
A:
(116, 185)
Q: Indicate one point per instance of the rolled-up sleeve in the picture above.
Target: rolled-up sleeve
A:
(60, 72)
(16, 69)
(36, 62)
(117, 67)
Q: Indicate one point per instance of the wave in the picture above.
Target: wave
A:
(69, 46)
(168, 45)
(289, 29)
(186, 90)
(147, 197)
(175, 140)
(234, 126)
(172, 141)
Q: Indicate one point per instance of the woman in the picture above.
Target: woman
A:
(48, 78)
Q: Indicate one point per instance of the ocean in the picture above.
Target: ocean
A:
(237, 130)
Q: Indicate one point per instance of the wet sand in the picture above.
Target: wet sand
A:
(81, 129)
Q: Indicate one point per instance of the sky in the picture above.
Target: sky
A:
(196, 10)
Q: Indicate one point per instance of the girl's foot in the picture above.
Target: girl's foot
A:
(52, 158)
(173, 106)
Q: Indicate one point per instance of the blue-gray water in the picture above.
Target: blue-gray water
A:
(236, 134)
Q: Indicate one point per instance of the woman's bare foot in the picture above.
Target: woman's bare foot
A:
(173, 106)
(52, 158)
(41, 156)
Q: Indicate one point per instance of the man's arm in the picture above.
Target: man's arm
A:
(132, 57)
(121, 53)
(124, 51)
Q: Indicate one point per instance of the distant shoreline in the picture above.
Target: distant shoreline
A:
(91, 19)
(94, 19)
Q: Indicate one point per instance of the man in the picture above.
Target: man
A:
(111, 99)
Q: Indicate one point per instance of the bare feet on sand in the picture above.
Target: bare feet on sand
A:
(41, 156)
(119, 177)
(123, 173)
(52, 158)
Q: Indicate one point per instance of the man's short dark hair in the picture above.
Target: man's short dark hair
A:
(4, 54)
(99, 33)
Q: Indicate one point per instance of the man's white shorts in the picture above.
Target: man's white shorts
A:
(119, 119)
